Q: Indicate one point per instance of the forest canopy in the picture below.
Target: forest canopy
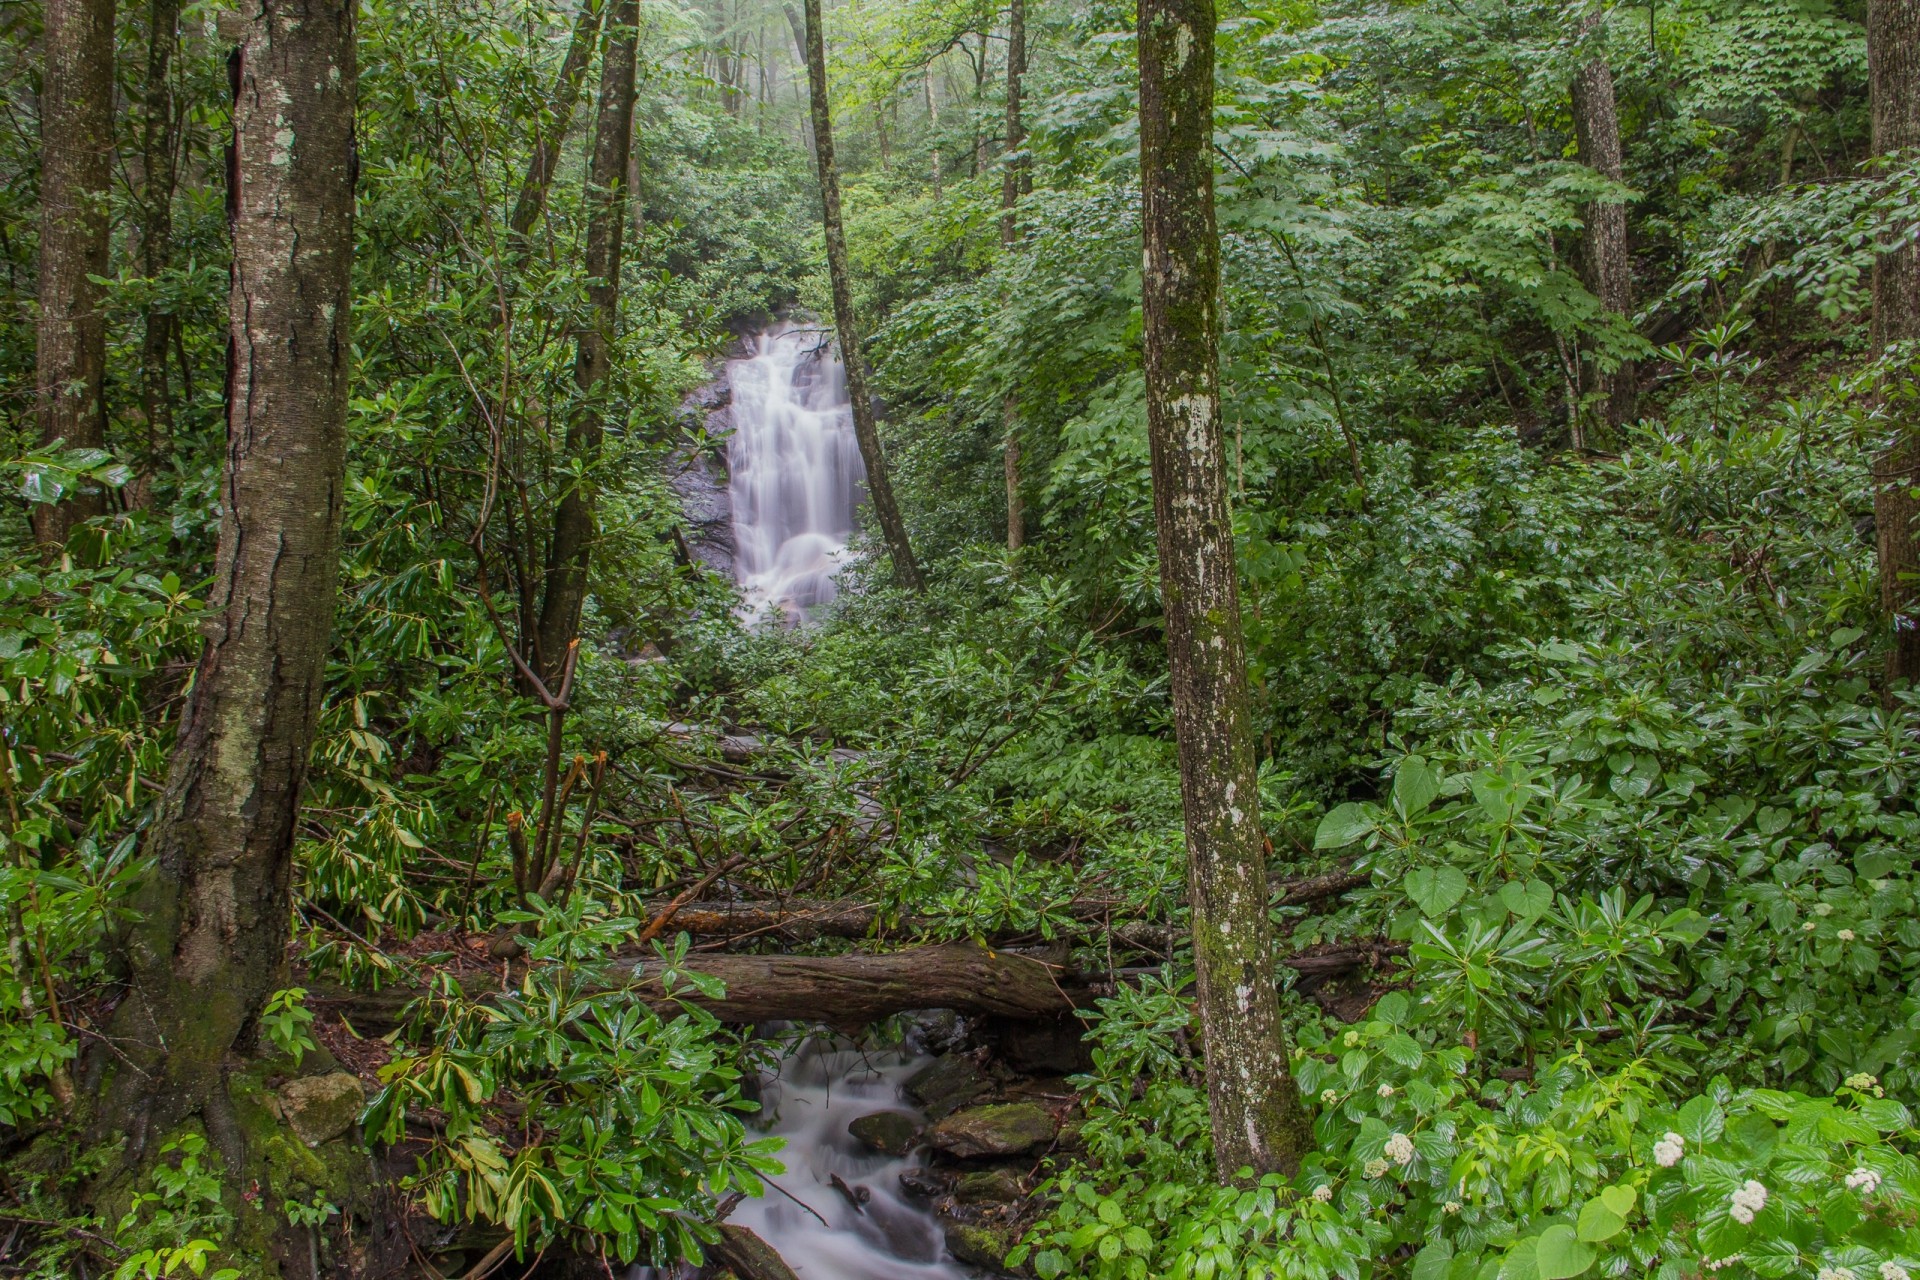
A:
(1353, 712)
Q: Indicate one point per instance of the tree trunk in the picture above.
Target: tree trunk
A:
(1608, 266)
(76, 153)
(159, 140)
(1893, 73)
(933, 128)
(1009, 235)
(879, 485)
(551, 132)
(1258, 1119)
(213, 914)
(573, 519)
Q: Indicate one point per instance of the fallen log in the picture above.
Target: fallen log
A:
(851, 991)
(808, 920)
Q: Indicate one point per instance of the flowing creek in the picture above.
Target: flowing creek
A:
(794, 471)
(820, 1091)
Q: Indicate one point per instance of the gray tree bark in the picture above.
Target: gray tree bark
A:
(573, 520)
(551, 132)
(1893, 73)
(76, 154)
(159, 140)
(1258, 1118)
(1608, 265)
(213, 912)
(893, 529)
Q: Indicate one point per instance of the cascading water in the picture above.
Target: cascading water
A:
(795, 471)
(820, 1091)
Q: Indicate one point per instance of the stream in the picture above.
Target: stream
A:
(820, 1091)
(795, 471)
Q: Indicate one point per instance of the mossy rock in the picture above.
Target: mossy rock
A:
(947, 1084)
(981, 1244)
(892, 1133)
(1001, 1129)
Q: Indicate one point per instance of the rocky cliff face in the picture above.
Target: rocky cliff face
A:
(699, 473)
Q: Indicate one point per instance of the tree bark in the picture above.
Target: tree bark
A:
(1009, 236)
(933, 128)
(1258, 1119)
(1893, 73)
(1608, 266)
(213, 912)
(76, 154)
(551, 132)
(893, 529)
(573, 519)
(159, 140)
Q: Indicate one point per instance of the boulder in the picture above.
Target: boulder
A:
(921, 1183)
(988, 1187)
(322, 1108)
(1000, 1129)
(946, 1084)
(981, 1244)
(892, 1133)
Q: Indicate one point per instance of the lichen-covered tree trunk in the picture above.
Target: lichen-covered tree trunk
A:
(159, 139)
(1258, 1119)
(573, 519)
(1893, 72)
(551, 131)
(1009, 234)
(214, 911)
(1608, 266)
(893, 529)
(76, 152)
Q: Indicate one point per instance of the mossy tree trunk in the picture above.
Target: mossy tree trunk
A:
(1258, 1119)
(76, 153)
(573, 520)
(1608, 265)
(159, 140)
(551, 131)
(210, 943)
(893, 529)
(1893, 72)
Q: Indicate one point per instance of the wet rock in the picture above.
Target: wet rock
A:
(1001, 1129)
(891, 1133)
(322, 1108)
(926, 1184)
(989, 1186)
(937, 1031)
(981, 1244)
(1048, 1046)
(947, 1084)
(748, 1256)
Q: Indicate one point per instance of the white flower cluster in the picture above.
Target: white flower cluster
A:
(1893, 1271)
(1324, 1193)
(1329, 1096)
(1667, 1151)
(1866, 1084)
(1865, 1181)
(1834, 1273)
(1450, 1207)
(1808, 927)
(1714, 1264)
(1845, 935)
(1823, 909)
(1376, 1168)
(1399, 1149)
(1386, 1091)
(1750, 1199)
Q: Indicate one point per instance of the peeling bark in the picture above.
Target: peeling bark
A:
(76, 152)
(893, 529)
(1258, 1118)
(573, 519)
(1893, 72)
(213, 912)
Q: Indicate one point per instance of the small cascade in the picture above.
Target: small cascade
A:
(796, 474)
(864, 1228)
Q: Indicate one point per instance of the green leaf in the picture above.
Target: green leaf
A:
(1619, 1198)
(1342, 826)
(1701, 1121)
(1415, 786)
(1598, 1221)
(1560, 1254)
(1435, 889)
(1527, 901)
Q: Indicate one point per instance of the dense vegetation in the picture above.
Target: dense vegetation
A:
(1569, 570)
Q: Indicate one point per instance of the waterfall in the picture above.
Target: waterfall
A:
(795, 469)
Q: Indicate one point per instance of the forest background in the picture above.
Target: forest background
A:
(1552, 433)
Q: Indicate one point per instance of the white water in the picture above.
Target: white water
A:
(795, 471)
(820, 1091)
